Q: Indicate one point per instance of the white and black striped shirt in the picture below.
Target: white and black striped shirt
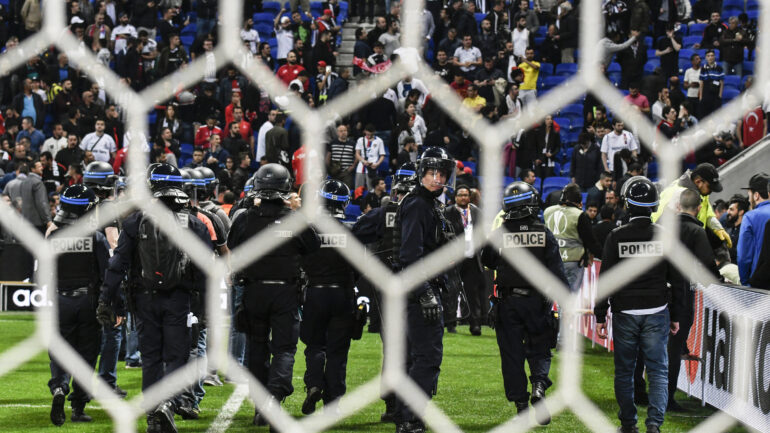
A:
(343, 152)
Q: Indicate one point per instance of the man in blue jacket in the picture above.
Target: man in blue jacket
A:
(753, 226)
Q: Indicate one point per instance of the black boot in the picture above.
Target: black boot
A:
(390, 410)
(522, 408)
(165, 413)
(313, 396)
(78, 415)
(57, 407)
(542, 415)
(153, 424)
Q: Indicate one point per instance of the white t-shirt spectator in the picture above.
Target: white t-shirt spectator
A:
(252, 37)
(127, 31)
(102, 147)
(472, 54)
(285, 40)
(692, 76)
(261, 138)
(370, 150)
(403, 88)
(53, 145)
(612, 143)
(520, 41)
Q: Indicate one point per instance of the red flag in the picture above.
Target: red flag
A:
(376, 69)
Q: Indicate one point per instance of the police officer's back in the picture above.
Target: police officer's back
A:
(77, 285)
(269, 313)
(522, 314)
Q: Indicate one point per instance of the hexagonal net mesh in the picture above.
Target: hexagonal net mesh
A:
(491, 139)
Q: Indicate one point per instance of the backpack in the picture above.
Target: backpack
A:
(163, 264)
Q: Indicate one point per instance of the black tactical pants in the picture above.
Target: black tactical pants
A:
(474, 283)
(273, 333)
(164, 338)
(425, 349)
(523, 333)
(78, 326)
(326, 329)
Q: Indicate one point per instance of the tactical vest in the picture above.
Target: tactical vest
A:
(525, 233)
(283, 262)
(563, 221)
(327, 265)
(385, 246)
(76, 262)
(443, 233)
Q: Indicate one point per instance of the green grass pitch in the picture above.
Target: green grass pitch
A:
(470, 390)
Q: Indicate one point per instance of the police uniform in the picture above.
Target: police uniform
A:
(522, 319)
(77, 284)
(641, 307)
(328, 313)
(270, 304)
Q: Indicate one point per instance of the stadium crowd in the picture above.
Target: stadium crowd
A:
(676, 62)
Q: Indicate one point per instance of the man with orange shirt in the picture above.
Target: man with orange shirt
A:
(206, 131)
(460, 84)
(289, 72)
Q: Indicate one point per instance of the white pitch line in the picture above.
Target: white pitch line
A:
(226, 414)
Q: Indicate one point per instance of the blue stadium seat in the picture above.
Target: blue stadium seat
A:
(186, 148)
(684, 64)
(566, 69)
(731, 11)
(576, 123)
(189, 29)
(650, 66)
(571, 110)
(689, 41)
(696, 29)
(753, 14)
(752, 5)
(187, 40)
(568, 153)
(565, 168)
(479, 17)
(539, 41)
(265, 30)
(652, 169)
(729, 93)
(537, 183)
(563, 122)
(542, 30)
(735, 4)
(553, 81)
(551, 184)
(585, 196)
(273, 42)
(651, 53)
(613, 67)
(343, 15)
(352, 212)
(733, 81)
(546, 69)
(686, 53)
(263, 17)
(271, 7)
(615, 77)
(648, 41)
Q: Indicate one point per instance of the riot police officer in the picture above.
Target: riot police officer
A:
(161, 278)
(376, 228)
(521, 314)
(208, 194)
(77, 284)
(419, 230)
(100, 178)
(644, 309)
(329, 305)
(269, 312)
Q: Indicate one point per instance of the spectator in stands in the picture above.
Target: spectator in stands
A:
(692, 80)
(28, 131)
(65, 99)
(56, 142)
(266, 56)
(206, 104)
(606, 224)
(497, 19)
(100, 144)
(206, 131)
(380, 27)
(521, 9)
(197, 158)
(615, 141)
(712, 33)
(171, 121)
(531, 69)
(34, 199)
(442, 67)
(122, 33)
(284, 36)
(30, 104)
(241, 174)
(657, 107)
(675, 94)
(206, 16)
(376, 194)
(548, 144)
(638, 100)
(586, 163)
(731, 44)
(711, 86)
(671, 124)
(266, 126)
(340, 157)
(172, 57)
(72, 154)
(450, 43)
(391, 39)
(550, 52)
(13, 187)
(361, 49)
(234, 142)
(568, 32)
(753, 227)
(596, 193)
(291, 68)
(462, 19)
(473, 100)
(250, 35)
(736, 208)
(668, 51)
(521, 38)
(616, 15)
(340, 85)
(467, 57)
(277, 142)
(217, 155)
(370, 153)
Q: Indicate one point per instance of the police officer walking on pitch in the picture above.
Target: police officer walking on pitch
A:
(329, 307)
(269, 312)
(521, 314)
(77, 284)
(644, 311)
(161, 279)
(420, 229)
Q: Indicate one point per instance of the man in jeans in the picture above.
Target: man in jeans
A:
(641, 307)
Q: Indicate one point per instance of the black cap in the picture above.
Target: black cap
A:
(708, 173)
(759, 182)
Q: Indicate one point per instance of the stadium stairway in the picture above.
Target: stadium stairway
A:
(345, 58)
(735, 173)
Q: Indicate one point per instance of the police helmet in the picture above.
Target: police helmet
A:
(272, 182)
(166, 183)
(435, 158)
(75, 201)
(100, 177)
(194, 184)
(120, 184)
(520, 200)
(248, 188)
(639, 196)
(210, 180)
(405, 178)
(335, 196)
(571, 194)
